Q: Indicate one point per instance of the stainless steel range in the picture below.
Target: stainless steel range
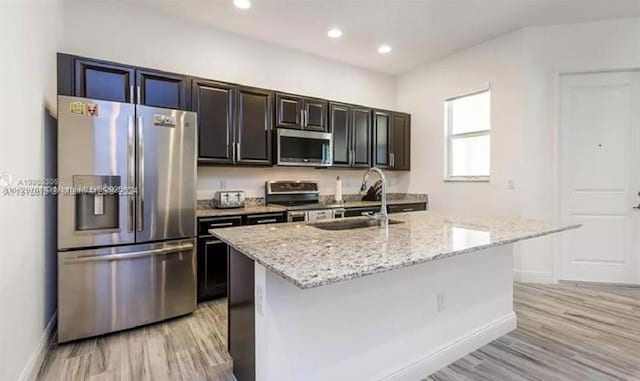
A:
(302, 200)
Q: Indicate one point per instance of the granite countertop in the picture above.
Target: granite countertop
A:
(249, 209)
(310, 257)
(256, 206)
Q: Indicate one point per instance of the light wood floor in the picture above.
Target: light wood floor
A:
(565, 332)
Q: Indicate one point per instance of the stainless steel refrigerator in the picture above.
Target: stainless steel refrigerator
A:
(126, 215)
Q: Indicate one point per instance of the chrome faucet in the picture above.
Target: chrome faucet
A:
(381, 216)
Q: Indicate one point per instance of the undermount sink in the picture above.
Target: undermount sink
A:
(350, 224)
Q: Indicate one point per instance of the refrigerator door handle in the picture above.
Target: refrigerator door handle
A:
(131, 168)
(134, 255)
(140, 211)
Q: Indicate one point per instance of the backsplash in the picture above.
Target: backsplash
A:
(325, 199)
(251, 180)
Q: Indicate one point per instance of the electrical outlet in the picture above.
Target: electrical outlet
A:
(440, 301)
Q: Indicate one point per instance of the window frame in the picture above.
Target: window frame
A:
(450, 137)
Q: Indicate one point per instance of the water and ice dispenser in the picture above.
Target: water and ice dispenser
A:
(97, 202)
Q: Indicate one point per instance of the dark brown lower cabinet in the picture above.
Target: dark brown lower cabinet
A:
(212, 269)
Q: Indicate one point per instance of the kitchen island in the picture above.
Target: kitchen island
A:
(307, 303)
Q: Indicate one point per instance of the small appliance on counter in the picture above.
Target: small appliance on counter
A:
(228, 199)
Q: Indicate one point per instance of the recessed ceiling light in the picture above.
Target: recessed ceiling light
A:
(384, 49)
(334, 33)
(242, 4)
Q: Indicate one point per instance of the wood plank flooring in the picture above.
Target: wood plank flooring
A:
(565, 332)
(186, 348)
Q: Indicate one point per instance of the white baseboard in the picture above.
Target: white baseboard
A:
(30, 371)
(526, 276)
(449, 353)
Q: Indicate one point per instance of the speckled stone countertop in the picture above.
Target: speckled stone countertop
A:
(249, 209)
(311, 257)
(256, 205)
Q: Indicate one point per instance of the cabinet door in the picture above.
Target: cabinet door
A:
(102, 80)
(401, 142)
(382, 138)
(288, 111)
(340, 126)
(160, 89)
(213, 102)
(212, 269)
(315, 115)
(253, 126)
(361, 137)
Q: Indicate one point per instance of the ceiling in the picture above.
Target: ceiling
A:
(418, 30)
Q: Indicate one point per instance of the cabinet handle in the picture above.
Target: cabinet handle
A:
(267, 221)
(302, 118)
(138, 95)
(392, 159)
(220, 224)
(213, 242)
(131, 100)
(407, 210)
(238, 151)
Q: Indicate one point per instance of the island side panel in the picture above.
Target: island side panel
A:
(241, 315)
(385, 326)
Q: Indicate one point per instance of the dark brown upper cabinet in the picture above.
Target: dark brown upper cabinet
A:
(110, 81)
(340, 126)
(293, 111)
(161, 89)
(213, 101)
(351, 128)
(315, 114)
(289, 111)
(235, 123)
(253, 126)
(361, 137)
(381, 139)
(401, 141)
(392, 140)
(103, 80)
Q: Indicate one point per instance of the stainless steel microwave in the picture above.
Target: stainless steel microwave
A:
(306, 148)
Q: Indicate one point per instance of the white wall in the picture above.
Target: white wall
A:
(130, 34)
(522, 69)
(29, 39)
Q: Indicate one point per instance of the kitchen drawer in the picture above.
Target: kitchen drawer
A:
(357, 212)
(204, 224)
(403, 208)
(266, 218)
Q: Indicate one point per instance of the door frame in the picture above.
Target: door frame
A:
(557, 164)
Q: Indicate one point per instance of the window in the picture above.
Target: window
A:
(468, 128)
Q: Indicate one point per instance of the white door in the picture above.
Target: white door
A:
(600, 176)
